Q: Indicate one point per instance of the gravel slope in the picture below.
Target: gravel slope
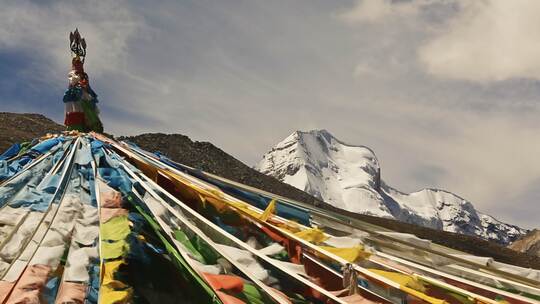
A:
(15, 127)
(529, 243)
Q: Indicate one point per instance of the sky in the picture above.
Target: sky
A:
(445, 92)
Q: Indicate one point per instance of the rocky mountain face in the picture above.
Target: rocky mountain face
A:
(529, 243)
(17, 127)
(349, 177)
(205, 156)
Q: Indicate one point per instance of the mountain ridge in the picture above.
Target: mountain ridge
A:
(205, 156)
(349, 177)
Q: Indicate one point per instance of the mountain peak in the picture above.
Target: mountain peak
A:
(323, 136)
(321, 133)
(314, 132)
(348, 177)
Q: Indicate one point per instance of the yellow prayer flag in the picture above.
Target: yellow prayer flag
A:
(351, 254)
(312, 235)
(269, 211)
(108, 295)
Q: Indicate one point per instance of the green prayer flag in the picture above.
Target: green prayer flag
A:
(113, 250)
(182, 238)
(115, 229)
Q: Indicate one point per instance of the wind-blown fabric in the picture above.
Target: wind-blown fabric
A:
(85, 219)
(80, 101)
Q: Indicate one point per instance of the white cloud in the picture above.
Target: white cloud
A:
(222, 71)
(487, 41)
(44, 28)
(487, 158)
(373, 11)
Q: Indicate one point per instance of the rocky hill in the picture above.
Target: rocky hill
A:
(205, 156)
(15, 127)
(529, 243)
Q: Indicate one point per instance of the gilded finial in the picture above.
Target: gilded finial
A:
(77, 44)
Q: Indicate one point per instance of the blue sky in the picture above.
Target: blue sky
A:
(445, 92)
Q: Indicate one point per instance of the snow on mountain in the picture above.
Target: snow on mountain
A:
(349, 177)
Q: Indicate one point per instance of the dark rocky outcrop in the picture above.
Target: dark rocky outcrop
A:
(20, 127)
(529, 243)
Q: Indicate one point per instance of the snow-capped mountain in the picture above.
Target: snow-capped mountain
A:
(349, 177)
